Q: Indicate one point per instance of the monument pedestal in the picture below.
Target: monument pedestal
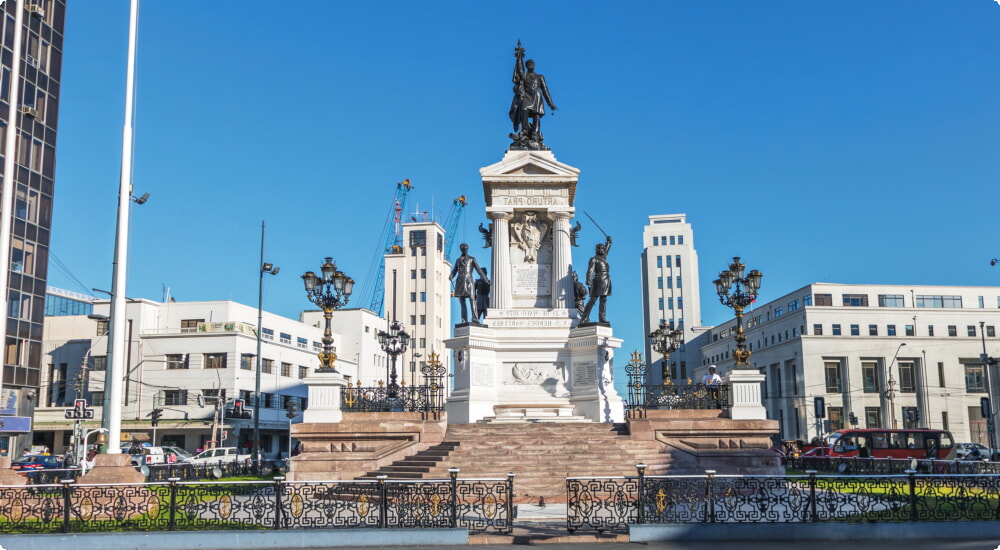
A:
(531, 365)
(324, 397)
(116, 468)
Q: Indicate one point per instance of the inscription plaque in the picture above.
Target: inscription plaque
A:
(532, 280)
(585, 373)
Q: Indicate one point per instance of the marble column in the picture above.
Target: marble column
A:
(501, 298)
(562, 261)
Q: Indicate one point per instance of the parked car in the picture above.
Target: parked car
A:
(218, 454)
(29, 465)
(964, 450)
(180, 454)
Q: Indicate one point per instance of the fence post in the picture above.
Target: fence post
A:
(640, 516)
(278, 487)
(510, 503)
(66, 502)
(913, 494)
(710, 494)
(812, 496)
(173, 503)
(453, 473)
(382, 504)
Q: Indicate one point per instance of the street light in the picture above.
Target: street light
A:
(330, 291)
(394, 344)
(737, 291)
(268, 268)
(666, 340)
(890, 393)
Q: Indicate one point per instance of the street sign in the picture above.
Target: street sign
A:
(15, 424)
(80, 411)
(225, 435)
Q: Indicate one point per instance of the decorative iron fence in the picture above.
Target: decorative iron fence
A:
(181, 470)
(644, 396)
(862, 466)
(481, 505)
(403, 398)
(612, 503)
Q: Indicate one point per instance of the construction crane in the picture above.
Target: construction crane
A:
(457, 206)
(391, 236)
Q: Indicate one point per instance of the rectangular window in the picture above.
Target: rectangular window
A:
(286, 369)
(100, 363)
(952, 330)
(267, 334)
(941, 375)
(873, 417)
(678, 281)
(659, 283)
(911, 330)
(970, 330)
(413, 274)
(174, 397)
(423, 343)
(672, 240)
(833, 379)
(855, 330)
(907, 380)
(423, 273)
(656, 241)
(677, 261)
(680, 302)
(869, 376)
(824, 299)
(982, 302)
(418, 238)
(302, 343)
(413, 320)
(872, 330)
(669, 261)
(930, 330)
(939, 301)
(890, 300)
(680, 239)
(793, 305)
(991, 331)
(247, 361)
(413, 296)
(177, 361)
(975, 378)
(190, 325)
(659, 261)
(661, 303)
(267, 366)
(944, 420)
(777, 312)
(836, 417)
(215, 360)
(285, 338)
(423, 319)
(890, 330)
(303, 372)
(102, 327)
(836, 330)
(670, 303)
(807, 300)
(423, 296)
(818, 329)
(856, 300)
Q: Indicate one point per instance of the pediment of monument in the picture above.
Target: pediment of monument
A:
(519, 165)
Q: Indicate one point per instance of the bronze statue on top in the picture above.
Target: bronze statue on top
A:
(599, 279)
(465, 287)
(528, 107)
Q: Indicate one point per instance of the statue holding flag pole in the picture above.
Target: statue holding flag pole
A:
(528, 106)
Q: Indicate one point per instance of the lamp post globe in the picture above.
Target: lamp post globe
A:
(394, 343)
(737, 290)
(330, 290)
(665, 340)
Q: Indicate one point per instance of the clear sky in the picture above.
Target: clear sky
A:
(846, 142)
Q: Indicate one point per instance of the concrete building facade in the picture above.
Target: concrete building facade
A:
(670, 292)
(849, 344)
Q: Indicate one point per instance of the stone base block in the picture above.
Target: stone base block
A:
(112, 469)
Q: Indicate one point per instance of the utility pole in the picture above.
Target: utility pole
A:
(987, 361)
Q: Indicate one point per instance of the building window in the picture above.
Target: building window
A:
(824, 299)
(413, 297)
(246, 361)
(302, 343)
(418, 238)
(215, 360)
(423, 296)
(413, 320)
(672, 240)
(793, 305)
(285, 338)
(659, 283)
(907, 381)
(939, 301)
(670, 282)
(423, 319)
(856, 300)
(777, 312)
(911, 330)
(267, 366)
(680, 239)
(833, 379)
(678, 281)
(872, 330)
(890, 300)
(970, 330)
(286, 369)
(855, 330)
(303, 372)
(836, 330)
(982, 302)
(991, 331)
(423, 273)
(267, 334)
(102, 327)
(174, 397)
(930, 330)
(891, 330)
(677, 261)
(944, 420)
(670, 303)
(661, 303)
(190, 325)
(873, 417)
(659, 261)
(975, 378)
(818, 329)
(680, 302)
(952, 330)
(669, 261)
(656, 241)
(941, 375)
(177, 361)
(100, 363)
(836, 417)
(413, 274)
(869, 376)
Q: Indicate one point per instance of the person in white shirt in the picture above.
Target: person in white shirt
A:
(711, 379)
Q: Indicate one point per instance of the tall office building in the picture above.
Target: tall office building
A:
(418, 294)
(34, 118)
(670, 291)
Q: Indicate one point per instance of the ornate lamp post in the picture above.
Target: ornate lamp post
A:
(393, 342)
(330, 291)
(737, 291)
(666, 340)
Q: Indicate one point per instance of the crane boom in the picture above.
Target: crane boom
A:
(457, 207)
(391, 236)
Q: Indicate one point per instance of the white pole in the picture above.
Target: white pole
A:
(116, 368)
(8, 165)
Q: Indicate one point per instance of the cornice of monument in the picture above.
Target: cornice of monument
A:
(529, 169)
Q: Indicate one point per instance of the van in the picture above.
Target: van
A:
(218, 454)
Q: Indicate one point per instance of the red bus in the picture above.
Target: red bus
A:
(886, 443)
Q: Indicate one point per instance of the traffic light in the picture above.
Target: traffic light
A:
(853, 419)
(155, 415)
(916, 415)
(984, 407)
(239, 410)
(291, 411)
(820, 405)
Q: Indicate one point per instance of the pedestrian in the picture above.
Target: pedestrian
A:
(67, 461)
(712, 381)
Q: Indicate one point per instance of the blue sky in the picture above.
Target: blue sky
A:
(848, 142)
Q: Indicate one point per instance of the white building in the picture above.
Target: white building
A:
(849, 343)
(176, 353)
(670, 291)
(418, 294)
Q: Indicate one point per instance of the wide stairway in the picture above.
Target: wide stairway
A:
(541, 455)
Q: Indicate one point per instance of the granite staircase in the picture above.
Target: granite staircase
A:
(541, 455)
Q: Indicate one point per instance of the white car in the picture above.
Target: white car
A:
(218, 454)
(963, 450)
